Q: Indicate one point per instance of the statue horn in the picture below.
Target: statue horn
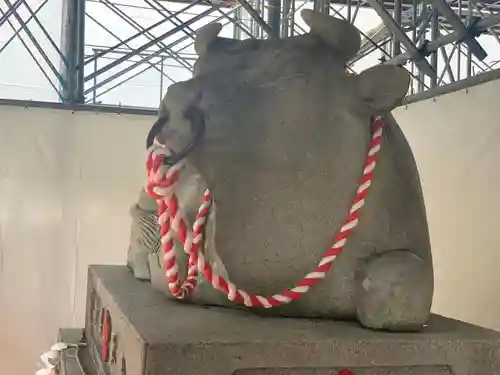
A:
(341, 35)
(205, 36)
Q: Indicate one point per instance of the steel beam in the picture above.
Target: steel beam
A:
(162, 74)
(16, 33)
(459, 46)
(80, 59)
(72, 45)
(236, 21)
(291, 16)
(379, 44)
(454, 36)
(274, 16)
(175, 20)
(396, 47)
(253, 13)
(30, 52)
(285, 19)
(447, 59)
(119, 39)
(422, 63)
(147, 45)
(10, 10)
(182, 39)
(147, 29)
(434, 35)
(457, 24)
(491, 30)
(358, 5)
(323, 6)
(30, 35)
(146, 59)
(46, 33)
(469, 52)
(129, 20)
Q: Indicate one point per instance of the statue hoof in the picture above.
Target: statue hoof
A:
(394, 292)
(138, 262)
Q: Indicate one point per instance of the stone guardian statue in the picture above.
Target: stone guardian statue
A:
(286, 136)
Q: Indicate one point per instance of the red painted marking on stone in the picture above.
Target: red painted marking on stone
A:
(106, 336)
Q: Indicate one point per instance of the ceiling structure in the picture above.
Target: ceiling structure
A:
(105, 44)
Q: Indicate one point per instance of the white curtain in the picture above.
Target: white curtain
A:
(456, 141)
(66, 183)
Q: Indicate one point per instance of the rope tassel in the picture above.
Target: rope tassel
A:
(161, 184)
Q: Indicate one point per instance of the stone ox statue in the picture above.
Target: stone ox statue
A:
(286, 137)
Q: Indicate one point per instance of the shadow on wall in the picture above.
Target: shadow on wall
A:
(455, 141)
(66, 183)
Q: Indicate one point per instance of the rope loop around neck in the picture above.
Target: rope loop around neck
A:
(161, 186)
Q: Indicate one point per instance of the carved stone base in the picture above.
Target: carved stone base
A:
(74, 361)
(147, 334)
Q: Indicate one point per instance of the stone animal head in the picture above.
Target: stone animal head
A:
(298, 79)
(283, 119)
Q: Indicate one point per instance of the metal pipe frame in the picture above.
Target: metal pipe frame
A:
(398, 33)
(140, 33)
(415, 34)
(10, 10)
(443, 40)
(143, 60)
(30, 52)
(457, 24)
(73, 47)
(16, 33)
(140, 49)
(130, 21)
(120, 40)
(257, 18)
(161, 9)
(29, 34)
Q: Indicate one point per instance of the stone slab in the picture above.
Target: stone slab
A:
(74, 361)
(152, 335)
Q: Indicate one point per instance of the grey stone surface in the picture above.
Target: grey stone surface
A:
(74, 361)
(162, 337)
(284, 148)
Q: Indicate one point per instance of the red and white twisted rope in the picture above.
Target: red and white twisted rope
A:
(161, 184)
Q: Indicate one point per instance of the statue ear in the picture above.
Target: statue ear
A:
(340, 35)
(205, 36)
(383, 87)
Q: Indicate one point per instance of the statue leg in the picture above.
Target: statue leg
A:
(394, 291)
(138, 262)
(144, 236)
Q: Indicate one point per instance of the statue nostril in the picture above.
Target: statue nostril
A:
(178, 139)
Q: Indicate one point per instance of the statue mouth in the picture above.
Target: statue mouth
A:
(197, 126)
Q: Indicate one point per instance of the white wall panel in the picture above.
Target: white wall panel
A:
(67, 180)
(456, 141)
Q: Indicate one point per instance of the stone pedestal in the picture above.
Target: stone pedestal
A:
(133, 330)
(74, 361)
